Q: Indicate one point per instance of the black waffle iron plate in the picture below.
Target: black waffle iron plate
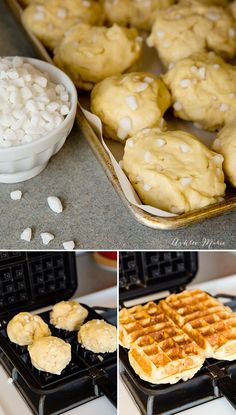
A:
(152, 272)
(29, 281)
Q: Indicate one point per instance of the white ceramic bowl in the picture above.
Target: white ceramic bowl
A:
(25, 161)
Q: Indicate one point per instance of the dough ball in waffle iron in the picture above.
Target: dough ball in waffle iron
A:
(160, 352)
(98, 336)
(50, 354)
(24, 328)
(191, 27)
(134, 13)
(89, 54)
(206, 320)
(68, 315)
(50, 19)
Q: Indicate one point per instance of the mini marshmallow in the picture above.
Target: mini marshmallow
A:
(30, 102)
(46, 237)
(69, 245)
(55, 204)
(16, 195)
(26, 235)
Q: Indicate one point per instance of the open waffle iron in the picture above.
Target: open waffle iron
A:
(143, 273)
(29, 281)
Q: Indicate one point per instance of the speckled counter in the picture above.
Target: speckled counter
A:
(94, 215)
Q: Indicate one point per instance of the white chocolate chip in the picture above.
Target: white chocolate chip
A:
(216, 66)
(141, 87)
(61, 13)
(132, 102)
(213, 16)
(26, 235)
(185, 181)
(125, 123)
(55, 204)
(218, 158)
(160, 34)
(224, 107)
(130, 142)
(161, 142)
(38, 16)
(177, 106)
(46, 237)
(147, 157)
(148, 80)
(69, 245)
(184, 148)
(202, 72)
(146, 187)
(185, 83)
(16, 195)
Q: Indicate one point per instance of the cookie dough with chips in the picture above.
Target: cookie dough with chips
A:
(68, 315)
(225, 144)
(189, 28)
(203, 89)
(50, 354)
(134, 13)
(89, 54)
(50, 20)
(24, 328)
(98, 336)
(173, 170)
(128, 103)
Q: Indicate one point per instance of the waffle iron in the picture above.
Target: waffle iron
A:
(32, 280)
(143, 273)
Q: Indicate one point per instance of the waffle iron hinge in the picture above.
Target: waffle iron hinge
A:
(177, 290)
(103, 385)
(223, 384)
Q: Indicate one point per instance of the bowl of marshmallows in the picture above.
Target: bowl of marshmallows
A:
(37, 112)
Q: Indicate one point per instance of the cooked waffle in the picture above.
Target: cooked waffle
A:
(160, 352)
(205, 320)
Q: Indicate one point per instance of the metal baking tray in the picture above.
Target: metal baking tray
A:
(156, 222)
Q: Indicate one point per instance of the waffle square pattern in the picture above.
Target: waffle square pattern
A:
(169, 341)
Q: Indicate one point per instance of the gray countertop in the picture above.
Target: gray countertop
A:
(94, 215)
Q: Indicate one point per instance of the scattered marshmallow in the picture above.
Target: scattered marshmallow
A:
(46, 237)
(132, 102)
(16, 195)
(55, 204)
(26, 235)
(69, 245)
(10, 381)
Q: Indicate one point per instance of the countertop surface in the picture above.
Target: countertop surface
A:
(94, 215)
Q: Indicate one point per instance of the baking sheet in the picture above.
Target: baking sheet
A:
(110, 152)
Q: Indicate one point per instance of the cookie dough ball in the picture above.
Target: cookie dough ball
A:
(90, 54)
(225, 144)
(173, 170)
(129, 103)
(50, 20)
(50, 354)
(98, 336)
(68, 315)
(134, 13)
(203, 89)
(24, 328)
(186, 29)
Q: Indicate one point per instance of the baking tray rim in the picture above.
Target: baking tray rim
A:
(147, 219)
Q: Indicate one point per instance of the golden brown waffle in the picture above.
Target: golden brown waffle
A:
(160, 352)
(205, 320)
